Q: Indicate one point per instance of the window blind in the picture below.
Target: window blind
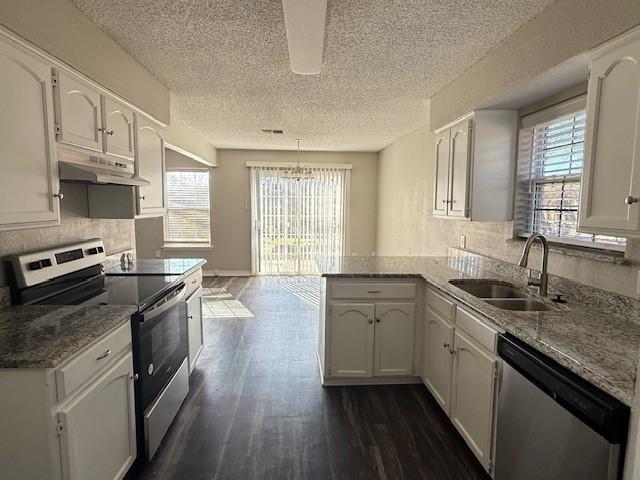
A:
(549, 171)
(188, 208)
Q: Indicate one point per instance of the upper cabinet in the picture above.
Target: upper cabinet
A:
(150, 165)
(610, 200)
(78, 112)
(474, 166)
(28, 168)
(118, 129)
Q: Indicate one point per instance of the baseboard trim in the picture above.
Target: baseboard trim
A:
(227, 273)
(346, 381)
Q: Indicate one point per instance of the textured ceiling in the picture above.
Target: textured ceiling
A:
(226, 63)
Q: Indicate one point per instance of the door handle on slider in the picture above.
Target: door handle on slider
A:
(105, 354)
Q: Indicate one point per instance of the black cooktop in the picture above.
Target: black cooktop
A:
(92, 287)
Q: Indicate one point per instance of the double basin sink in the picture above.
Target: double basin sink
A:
(501, 294)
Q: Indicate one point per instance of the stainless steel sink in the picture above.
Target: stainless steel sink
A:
(520, 304)
(501, 294)
(484, 289)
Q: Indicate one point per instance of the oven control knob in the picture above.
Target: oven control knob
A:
(150, 369)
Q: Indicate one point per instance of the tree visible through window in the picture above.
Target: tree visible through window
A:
(550, 161)
(188, 207)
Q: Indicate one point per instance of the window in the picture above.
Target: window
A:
(550, 157)
(188, 219)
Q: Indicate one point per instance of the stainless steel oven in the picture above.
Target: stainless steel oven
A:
(160, 357)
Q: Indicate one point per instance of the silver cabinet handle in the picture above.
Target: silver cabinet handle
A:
(448, 346)
(370, 321)
(374, 291)
(109, 132)
(378, 319)
(58, 195)
(629, 200)
(100, 129)
(190, 317)
(445, 345)
(141, 197)
(105, 354)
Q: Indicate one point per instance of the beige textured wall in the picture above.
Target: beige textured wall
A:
(118, 235)
(231, 215)
(406, 225)
(62, 30)
(563, 30)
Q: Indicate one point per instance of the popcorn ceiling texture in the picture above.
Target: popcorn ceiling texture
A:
(227, 65)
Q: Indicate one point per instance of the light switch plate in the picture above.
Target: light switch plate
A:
(463, 241)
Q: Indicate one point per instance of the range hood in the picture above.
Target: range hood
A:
(94, 174)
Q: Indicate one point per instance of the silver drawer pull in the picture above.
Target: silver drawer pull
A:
(105, 354)
(629, 200)
(374, 291)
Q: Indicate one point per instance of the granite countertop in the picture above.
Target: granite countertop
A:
(154, 266)
(601, 346)
(44, 336)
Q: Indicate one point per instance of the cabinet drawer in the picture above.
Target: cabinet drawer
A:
(92, 360)
(441, 304)
(476, 329)
(373, 290)
(193, 281)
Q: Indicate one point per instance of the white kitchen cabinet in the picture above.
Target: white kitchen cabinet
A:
(394, 335)
(98, 429)
(28, 165)
(149, 148)
(351, 339)
(194, 327)
(118, 129)
(437, 359)
(610, 197)
(475, 374)
(441, 174)
(78, 112)
(474, 166)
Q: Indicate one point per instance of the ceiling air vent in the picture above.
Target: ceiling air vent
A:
(270, 131)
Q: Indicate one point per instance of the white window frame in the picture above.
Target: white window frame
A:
(527, 122)
(175, 243)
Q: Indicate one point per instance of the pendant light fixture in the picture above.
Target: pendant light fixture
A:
(298, 172)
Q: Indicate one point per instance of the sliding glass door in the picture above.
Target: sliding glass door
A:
(296, 220)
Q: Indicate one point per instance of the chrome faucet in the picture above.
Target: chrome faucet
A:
(542, 280)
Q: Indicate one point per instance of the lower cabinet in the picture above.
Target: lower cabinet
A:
(437, 359)
(460, 369)
(371, 339)
(194, 326)
(474, 396)
(98, 429)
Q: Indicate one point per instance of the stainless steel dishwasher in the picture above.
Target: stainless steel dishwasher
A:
(553, 424)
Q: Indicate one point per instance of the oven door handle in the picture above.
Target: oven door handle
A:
(160, 309)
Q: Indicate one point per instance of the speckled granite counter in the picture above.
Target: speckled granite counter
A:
(602, 345)
(154, 266)
(44, 336)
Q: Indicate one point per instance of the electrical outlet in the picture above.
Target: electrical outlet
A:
(463, 241)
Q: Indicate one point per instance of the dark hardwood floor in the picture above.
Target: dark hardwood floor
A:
(256, 409)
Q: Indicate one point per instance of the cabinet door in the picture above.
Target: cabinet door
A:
(28, 167)
(351, 340)
(118, 126)
(150, 165)
(474, 394)
(437, 358)
(441, 175)
(78, 113)
(194, 326)
(98, 437)
(612, 144)
(394, 338)
(459, 169)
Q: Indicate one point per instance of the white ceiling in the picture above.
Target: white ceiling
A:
(226, 63)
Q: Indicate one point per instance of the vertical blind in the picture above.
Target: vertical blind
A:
(549, 171)
(188, 219)
(297, 220)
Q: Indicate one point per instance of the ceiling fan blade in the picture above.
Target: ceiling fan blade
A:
(305, 22)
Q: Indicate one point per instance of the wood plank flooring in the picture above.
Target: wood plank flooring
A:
(256, 409)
